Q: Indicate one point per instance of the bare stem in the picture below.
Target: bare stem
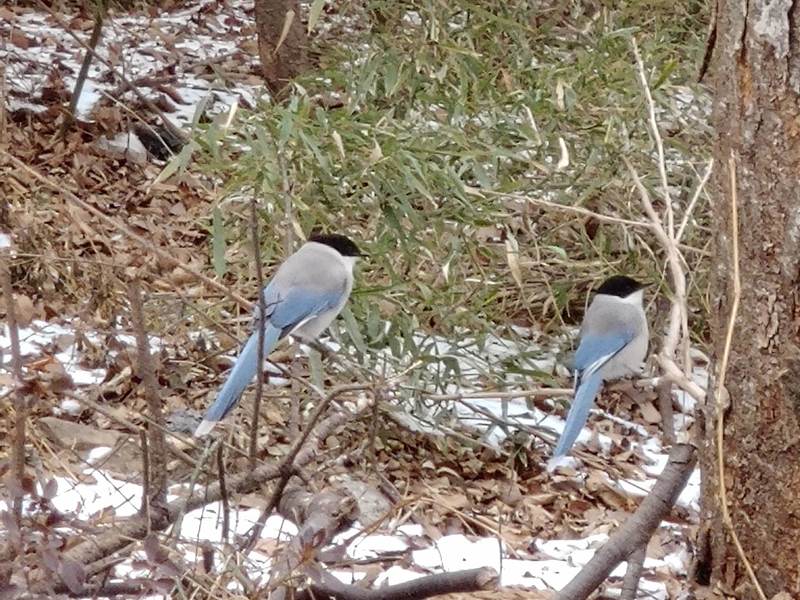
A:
(20, 400)
(223, 490)
(155, 435)
(633, 573)
(176, 131)
(720, 392)
(261, 323)
(100, 14)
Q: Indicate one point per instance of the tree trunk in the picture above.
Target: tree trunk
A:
(756, 69)
(281, 60)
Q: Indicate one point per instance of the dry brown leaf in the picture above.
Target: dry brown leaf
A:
(650, 412)
(20, 40)
(25, 309)
(77, 435)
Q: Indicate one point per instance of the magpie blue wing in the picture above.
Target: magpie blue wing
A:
(287, 309)
(595, 350)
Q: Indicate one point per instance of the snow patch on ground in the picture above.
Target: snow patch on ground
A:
(556, 561)
(181, 60)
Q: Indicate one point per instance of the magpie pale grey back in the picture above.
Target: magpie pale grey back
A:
(614, 315)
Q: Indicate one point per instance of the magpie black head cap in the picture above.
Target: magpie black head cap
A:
(341, 243)
(621, 286)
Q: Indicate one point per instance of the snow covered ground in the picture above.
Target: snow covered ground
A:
(199, 57)
(548, 564)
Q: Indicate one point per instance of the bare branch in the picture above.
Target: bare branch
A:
(223, 490)
(20, 400)
(261, 323)
(678, 323)
(319, 517)
(290, 462)
(472, 580)
(662, 163)
(664, 392)
(579, 210)
(155, 435)
(501, 394)
(144, 510)
(630, 584)
(176, 131)
(693, 202)
(638, 529)
(115, 538)
(100, 13)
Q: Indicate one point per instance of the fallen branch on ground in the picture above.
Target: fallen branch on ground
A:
(638, 529)
(320, 517)
(471, 580)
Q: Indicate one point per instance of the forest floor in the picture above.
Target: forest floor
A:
(468, 304)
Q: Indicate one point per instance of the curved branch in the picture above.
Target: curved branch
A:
(472, 580)
(638, 529)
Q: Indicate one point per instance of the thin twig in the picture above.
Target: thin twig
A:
(155, 435)
(662, 163)
(210, 448)
(720, 389)
(373, 435)
(664, 393)
(116, 418)
(678, 319)
(579, 210)
(287, 466)
(534, 393)
(144, 510)
(678, 325)
(20, 399)
(261, 323)
(223, 490)
(94, 38)
(3, 116)
(288, 208)
(672, 371)
(693, 202)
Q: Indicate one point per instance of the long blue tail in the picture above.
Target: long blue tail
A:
(239, 378)
(578, 412)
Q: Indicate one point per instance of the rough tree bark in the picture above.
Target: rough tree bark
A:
(756, 112)
(281, 59)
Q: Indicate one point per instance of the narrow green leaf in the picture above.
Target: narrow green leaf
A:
(353, 332)
(314, 12)
(178, 163)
